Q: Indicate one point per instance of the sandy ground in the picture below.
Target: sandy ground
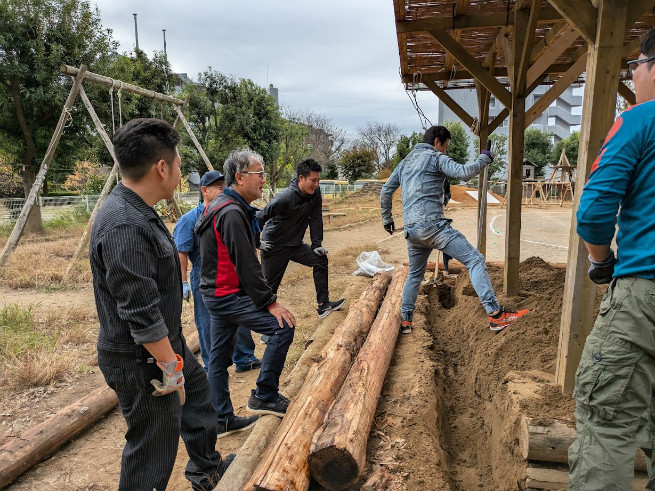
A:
(92, 460)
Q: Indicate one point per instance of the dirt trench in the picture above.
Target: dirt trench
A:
(446, 418)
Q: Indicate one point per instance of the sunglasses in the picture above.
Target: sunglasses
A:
(633, 64)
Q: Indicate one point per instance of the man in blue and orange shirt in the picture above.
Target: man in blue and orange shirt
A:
(615, 408)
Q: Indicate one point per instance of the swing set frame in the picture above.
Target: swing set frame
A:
(79, 75)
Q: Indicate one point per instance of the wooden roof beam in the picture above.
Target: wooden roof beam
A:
(460, 8)
(556, 90)
(579, 13)
(549, 54)
(470, 21)
(473, 66)
(466, 118)
(627, 94)
(527, 40)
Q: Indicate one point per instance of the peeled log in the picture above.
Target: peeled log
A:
(41, 441)
(285, 465)
(551, 443)
(338, 453)
(250, 453)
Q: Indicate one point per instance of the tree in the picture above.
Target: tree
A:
(570, 146)
(458, 150)
(404, 146)
(357, 162)
(293, 149)
(325, 140)
(538, 148)
(36, 36)
(381, 138)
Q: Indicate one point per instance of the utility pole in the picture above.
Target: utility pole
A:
(136, 32)
(164, 31)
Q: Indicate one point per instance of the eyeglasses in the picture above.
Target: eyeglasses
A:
(633, 64)
(261, 173)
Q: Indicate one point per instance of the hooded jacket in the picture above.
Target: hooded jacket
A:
(228, 252)
(284, 220)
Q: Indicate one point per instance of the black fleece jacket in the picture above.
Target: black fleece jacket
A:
(284, 220)
(229, 258)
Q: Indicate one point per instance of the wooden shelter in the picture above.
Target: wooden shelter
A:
(506, 48)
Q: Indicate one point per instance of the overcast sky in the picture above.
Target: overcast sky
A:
(334, 57)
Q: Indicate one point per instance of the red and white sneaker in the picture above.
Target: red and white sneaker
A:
(504, 318)
(406, 327)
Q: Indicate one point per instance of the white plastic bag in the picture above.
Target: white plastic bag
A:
(370, 263)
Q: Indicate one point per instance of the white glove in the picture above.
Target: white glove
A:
(321, 251)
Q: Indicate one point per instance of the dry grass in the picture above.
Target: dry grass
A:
(41, 351)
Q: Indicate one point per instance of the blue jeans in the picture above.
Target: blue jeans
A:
(227, 314)
(244, 351)
(421, 240)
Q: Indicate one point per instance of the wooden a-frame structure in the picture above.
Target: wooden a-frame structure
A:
(506, 48)
(79, 75)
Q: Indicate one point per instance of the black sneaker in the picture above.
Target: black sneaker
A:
(228, 460)
(250, 366)
(325, 309)
(276, 407)
(235, 424)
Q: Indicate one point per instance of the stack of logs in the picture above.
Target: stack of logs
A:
(327, 424)
(545, 447)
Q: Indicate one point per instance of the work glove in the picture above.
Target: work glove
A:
(173, 379)
(390, 227)
(321, 251)
(266, 246)
(186, 291)
(488, 154)
(601, 272)
(446, 199)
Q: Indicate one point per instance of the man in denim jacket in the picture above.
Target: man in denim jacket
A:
(422, 176)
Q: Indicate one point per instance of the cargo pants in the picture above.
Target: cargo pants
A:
(615, 407)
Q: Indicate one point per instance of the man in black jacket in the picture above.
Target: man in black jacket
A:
(235, 292)
(285, 221)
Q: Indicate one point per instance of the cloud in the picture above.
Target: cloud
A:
(337, 58)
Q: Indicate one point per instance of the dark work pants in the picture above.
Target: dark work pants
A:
(274, 264)
(154, 424)
(227, 314)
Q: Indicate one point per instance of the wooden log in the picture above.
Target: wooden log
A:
(41, 441)
(338, 453)
(551, 479)
(250, 453)
(285, 465)
(551, 443)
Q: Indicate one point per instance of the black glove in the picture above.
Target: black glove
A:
(446, 199)
(265, 246)
(601, 272)
(488, 154)
(390, 227)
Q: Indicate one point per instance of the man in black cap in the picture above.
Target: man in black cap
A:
(188, 246)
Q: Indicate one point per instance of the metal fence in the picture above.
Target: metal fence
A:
(51, 206)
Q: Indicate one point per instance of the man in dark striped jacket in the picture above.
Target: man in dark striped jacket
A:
(138, 291)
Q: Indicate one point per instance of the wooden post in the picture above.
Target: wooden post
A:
(601, 86)
(40, 177)
(338, 453)
(483, 135)
(108, 183)
(285, 464)
(195, 141)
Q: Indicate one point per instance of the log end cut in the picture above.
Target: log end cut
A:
(333, 468)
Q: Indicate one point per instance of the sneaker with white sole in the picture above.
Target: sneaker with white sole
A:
(327, 307)
(277, 407)
(235, 424)
(504, 318)
(406, 327)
